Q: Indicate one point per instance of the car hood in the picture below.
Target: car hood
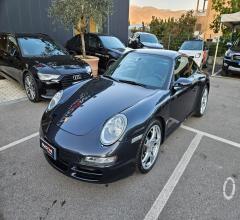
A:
(59, 65)
(152, 45)
(95, 102)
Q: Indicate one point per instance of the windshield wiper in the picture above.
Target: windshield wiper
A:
(132, 83)
(110, 77)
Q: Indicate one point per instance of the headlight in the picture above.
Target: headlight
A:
(47, 77)
(198, 55)
(113, 129)
(89, 69)
(228, 53)
(55, 100)
(98, 161)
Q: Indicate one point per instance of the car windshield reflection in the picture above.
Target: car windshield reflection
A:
(142, 69)
(39, 47)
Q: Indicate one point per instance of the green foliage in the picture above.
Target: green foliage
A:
(174, 32)
(70, 12)
(223, 7)
(76, 13)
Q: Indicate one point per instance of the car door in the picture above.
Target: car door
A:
(95, 48)
(183, 99)
(13, 60)
(3, 54)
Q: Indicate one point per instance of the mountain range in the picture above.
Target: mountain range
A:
(138, 14)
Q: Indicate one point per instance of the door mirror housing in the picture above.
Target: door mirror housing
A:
(182, 83)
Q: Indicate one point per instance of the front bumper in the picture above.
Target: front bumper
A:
(69, 154)
(49, 88)
(229, 64)
(91, 174)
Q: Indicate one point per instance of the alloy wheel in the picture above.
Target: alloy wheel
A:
(151, 147)
(204, 101)
(30, 87)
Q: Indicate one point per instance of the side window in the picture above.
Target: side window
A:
(3, 43)
(183, 68)
(93, 42)
(193, 65)
(12, 47)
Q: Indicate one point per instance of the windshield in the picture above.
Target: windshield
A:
(148, 38)
(192, 45)
(39, 47)
(112, 42)
(146, 69)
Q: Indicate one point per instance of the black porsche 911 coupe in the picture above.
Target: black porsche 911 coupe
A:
(100, 130)
(39, 64)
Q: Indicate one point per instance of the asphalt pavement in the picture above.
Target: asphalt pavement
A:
(197, 175)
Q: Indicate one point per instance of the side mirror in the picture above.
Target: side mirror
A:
(229, 45)
(182, 83)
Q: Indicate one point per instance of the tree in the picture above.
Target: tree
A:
(223, 7)
(76, 13)
(174, 30)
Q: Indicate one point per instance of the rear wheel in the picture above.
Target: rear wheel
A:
(31, 88)
(149, 149)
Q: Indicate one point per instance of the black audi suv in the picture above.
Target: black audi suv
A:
(107, 48)
(39, 64)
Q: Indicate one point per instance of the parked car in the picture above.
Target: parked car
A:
(231, 59)
(107, 48)
(196, 49)
(144, 40)
(39, 64)
(101, 129)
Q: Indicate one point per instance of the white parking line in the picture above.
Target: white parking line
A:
(235, 144)
(18, 141)
(166, 192)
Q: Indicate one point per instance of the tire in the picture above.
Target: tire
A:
(200, 110)
(142, 150)
(31, 88)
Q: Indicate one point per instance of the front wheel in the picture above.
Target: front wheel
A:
(31, 88)
(149, 148)
(202, 104)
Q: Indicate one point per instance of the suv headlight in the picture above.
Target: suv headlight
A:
(113, 129)
(228, 53)
(89, 69)
(47, 77)
(55, 100)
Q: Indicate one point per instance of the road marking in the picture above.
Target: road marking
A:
(235, 144)
(18, 141)
(229, 197)
(166, 192)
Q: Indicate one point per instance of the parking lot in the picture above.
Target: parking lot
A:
(197, 175)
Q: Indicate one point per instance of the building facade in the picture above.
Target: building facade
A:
(32, 16)
(205, 16)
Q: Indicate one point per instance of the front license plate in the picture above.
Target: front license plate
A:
(50, 150)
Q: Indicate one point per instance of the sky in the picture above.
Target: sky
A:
(167, 4)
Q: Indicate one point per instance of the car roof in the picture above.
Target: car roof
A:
(167, 53)
(139, 32)
(25, 34)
